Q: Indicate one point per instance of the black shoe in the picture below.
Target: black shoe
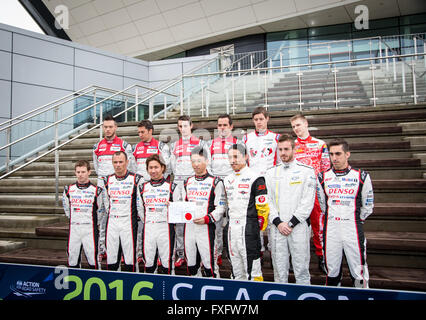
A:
(321, 264)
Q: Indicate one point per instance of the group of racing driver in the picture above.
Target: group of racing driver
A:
(241, 190)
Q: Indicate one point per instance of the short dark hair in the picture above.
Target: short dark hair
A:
(185, 118)
(158, 158)
(259, 110)
(147, 124)
(225, 115)
(287, 137)
(240, 147)
(82, 163)
(109, 117)
(339, 142)
(199, 151)
(117, 153)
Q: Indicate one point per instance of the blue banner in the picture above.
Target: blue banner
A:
(29, 282)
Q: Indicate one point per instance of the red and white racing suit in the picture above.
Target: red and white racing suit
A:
(103, 152)
(248, 213)
(102, 162)
(346, 198)
(314, 152)
(82, 205)
(143, 150)
(180, 163)
(158, 234)
(122, 203)
(208, 194)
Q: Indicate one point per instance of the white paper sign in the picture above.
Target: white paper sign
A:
(182, 212)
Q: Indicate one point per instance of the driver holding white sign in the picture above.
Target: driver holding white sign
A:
(208, 194)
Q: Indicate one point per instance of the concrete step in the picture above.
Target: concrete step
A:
(8, 245)
(9, 221)
(31, 209)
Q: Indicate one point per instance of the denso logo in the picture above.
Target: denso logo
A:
(198, 193)
(120, 192)
(84, 201)
(341, 191)
(155, 200)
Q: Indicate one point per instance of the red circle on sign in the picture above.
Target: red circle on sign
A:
(188, 216)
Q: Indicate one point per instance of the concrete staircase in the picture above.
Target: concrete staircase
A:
(318, 89)
(388, 141)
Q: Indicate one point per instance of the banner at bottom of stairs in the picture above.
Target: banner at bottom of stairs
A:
(30, 282)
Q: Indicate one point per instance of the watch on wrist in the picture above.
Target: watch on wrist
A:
(290, 224)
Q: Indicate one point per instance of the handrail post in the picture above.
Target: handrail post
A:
(335, 87)
(8, 150)
(373, 81)
(165, 107)
(94, 107)
(56, 159)
(182, 92)
(101, 117)
(150, 109)
(413, 63)
(202, 97)
(137, 104)
(265, 76)
(299, 74)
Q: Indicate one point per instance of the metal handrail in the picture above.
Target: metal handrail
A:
(39, 108)
(72, 115)
(68, 98)
(307, 64)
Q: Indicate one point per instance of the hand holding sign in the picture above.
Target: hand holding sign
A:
(182, 212)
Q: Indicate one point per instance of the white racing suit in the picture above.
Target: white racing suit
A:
(291, 189)
(102, 162)
(83, 205)
(346, 198)
(141, 152)
(158, 234)
(262, 150)
(208, 194)
(248, 212)
(180, 163)
(122, 203)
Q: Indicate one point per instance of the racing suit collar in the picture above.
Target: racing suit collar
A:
(200, 178)
(156, 183)
(82, 185)
(122, 177)
(112, 140)
(290, 164)
(303, 141)
(261, 133)
(342, 172)
(237, 173)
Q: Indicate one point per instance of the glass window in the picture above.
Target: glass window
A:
(413, 19)
(417, 28)
(328, 30)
